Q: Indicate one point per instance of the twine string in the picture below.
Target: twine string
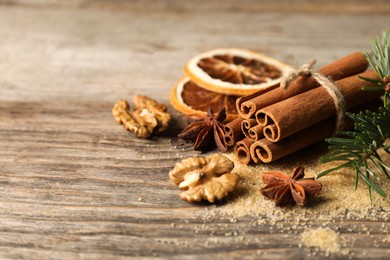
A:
(331, 87)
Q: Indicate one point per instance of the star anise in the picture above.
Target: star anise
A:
(207, 131)
(286, 189)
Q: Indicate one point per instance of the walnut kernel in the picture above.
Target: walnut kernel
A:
(158, 110)
(207, 178)
(149, 116)
(123, 115)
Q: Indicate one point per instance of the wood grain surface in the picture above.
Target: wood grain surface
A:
(74, 185)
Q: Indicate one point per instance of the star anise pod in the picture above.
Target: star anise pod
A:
(285, 189)
(207, 131)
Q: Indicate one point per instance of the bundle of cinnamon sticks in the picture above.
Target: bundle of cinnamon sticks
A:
(279, 122)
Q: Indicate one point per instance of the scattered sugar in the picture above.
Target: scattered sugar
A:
(319, 224)
(386, 239)
(323, 238)
(336, 199)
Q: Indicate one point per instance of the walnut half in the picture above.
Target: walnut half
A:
(149, 116)
(207, 178)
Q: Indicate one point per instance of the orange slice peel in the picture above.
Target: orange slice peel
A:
(192, 100)
(233, 71)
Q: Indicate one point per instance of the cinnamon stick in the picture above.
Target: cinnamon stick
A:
(350, 65)
(242, 150)
(246, 125)
(266, 151)
(256, 132)
(292, 115)
(233, 132)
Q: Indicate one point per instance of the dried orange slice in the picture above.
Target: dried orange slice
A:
(235, 71)
(192, 100)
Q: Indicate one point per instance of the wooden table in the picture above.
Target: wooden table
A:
(76, 185)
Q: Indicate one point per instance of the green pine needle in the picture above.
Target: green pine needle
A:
(358, 149)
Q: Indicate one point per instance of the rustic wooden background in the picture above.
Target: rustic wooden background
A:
(73, 184)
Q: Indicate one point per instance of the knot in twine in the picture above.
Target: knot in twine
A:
(330, 86)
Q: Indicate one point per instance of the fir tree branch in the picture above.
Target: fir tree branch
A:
(358, 149)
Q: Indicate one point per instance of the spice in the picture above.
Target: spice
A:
(205, 130)
(342, 68)
(149, 116)
(233, 132)
(289, 189)
(313, 106)
(242, 150)
(208, 178)
(286, 131)
(246, 125)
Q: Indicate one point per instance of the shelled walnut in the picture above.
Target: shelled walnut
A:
(148, 117)
(207, 178)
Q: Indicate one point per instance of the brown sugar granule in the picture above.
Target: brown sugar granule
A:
(323, 238)
(337, 197)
